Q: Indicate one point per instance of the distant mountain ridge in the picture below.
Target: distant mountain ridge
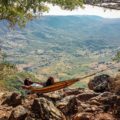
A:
(79, 28)
(82, 28)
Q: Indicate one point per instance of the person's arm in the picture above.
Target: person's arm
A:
(26, 87)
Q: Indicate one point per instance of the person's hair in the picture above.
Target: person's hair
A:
(27, 82)
(50, 81)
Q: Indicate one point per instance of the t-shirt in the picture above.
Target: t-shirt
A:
(36, 85)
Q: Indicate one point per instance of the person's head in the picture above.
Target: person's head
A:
(27, 82)
(50, 81)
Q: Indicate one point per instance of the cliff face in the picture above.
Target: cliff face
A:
(68, 104)
(111, 4)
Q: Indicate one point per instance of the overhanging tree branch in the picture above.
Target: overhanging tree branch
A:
(19, 12)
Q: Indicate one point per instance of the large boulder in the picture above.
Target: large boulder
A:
(13, 100)
(63, 102)
(72, 107)
(100, 83)
(44, 109)
(18, 113)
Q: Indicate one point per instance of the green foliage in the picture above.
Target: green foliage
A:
(117, 57)
(67, 4)
(11, 79)
(6, 70)
(14, 82)
(19, 12)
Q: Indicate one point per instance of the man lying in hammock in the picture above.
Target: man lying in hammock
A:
(28, 83)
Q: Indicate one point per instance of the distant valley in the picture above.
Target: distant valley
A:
(62, 46)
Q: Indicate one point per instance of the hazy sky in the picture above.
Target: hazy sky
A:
(88, 10)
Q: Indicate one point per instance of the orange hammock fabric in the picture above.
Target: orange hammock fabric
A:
(58, 85)
(54, 87)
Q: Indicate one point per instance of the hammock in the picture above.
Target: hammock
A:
(58, 85)
(54, 87)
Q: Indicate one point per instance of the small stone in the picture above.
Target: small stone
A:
(74, 91)
(86, 96)
(85, 105)
(88, 110)
(82, 116)
(94, 102)
(105, 116)
(19, 113)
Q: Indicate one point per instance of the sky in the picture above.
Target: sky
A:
(88, 10)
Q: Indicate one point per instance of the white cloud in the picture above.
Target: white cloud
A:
(88, 10)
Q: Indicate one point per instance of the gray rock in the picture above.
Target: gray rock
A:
(72, 107)
(45, 110)
(94, 102)
(100, 83)
(18, 113)
(86, 96)
(64, 101)
(13, 100)
(83, 116)
(74, 91)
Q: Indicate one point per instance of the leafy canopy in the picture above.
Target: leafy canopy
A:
(18, 12)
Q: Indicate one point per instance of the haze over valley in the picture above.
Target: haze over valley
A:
(62, 46)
